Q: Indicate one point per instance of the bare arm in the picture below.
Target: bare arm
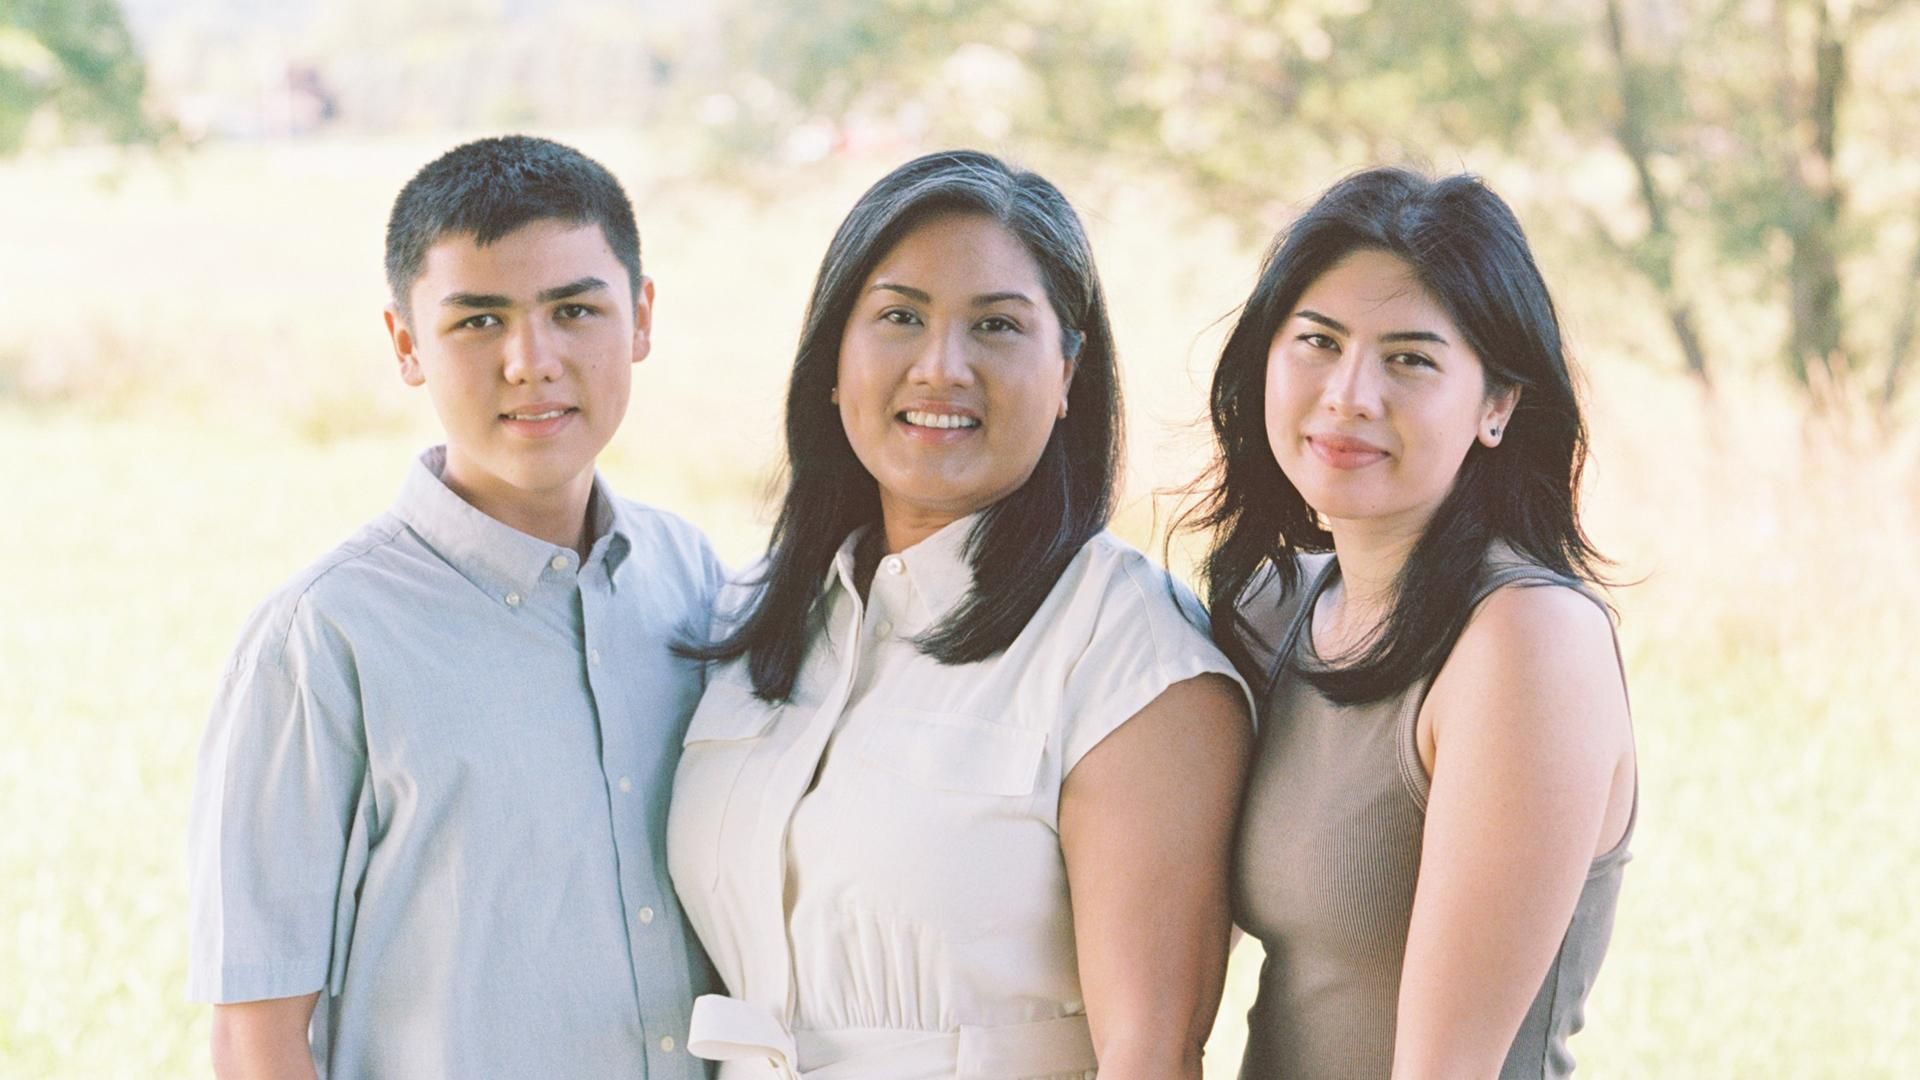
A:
(263, 1040)
(1146, 826)
(1532, 750)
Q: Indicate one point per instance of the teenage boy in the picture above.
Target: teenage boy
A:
(428, 825)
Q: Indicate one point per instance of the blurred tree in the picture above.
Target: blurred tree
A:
(1648, 103)
(74, 59)
(1730, 117)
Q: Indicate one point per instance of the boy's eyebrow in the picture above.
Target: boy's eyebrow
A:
(545, 296)
(1339, 327)
(571, 288)
(475, 300)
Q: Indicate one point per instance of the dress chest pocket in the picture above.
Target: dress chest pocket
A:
(726, 728)
(728, 711)
(956, 753)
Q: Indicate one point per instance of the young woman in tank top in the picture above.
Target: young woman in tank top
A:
(1444, 786)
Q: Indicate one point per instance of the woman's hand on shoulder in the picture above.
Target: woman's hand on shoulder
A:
(1146, 828)
(1531, 765)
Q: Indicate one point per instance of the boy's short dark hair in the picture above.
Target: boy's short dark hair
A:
(490, 187)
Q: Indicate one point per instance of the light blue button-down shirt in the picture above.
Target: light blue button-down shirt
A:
(434, 785)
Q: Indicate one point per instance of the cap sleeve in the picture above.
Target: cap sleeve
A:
(1146, 636)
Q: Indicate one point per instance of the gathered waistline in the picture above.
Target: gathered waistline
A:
(728, 1029)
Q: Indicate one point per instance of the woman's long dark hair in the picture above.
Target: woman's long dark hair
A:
(1021, 544)
(1466, 248)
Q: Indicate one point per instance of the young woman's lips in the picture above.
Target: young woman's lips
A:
(539, 421)
(937, 426)
(1342, 452)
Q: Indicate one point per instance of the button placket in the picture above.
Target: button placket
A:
(791, 777)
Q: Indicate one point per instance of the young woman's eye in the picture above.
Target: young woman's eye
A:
(996, 324)
(1319, 341)
(899, 317)
(1411, 360)
(478, 322)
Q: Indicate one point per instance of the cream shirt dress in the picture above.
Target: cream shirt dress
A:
(874, 865)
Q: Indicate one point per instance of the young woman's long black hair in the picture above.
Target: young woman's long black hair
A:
(1465, 246)
(1020, 545)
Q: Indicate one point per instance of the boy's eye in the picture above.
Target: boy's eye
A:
(478, 322)
(573, 311)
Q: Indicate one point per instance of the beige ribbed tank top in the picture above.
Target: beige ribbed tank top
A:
(1326, 860)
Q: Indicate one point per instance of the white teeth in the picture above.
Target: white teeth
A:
(939, 420)
(537, 416)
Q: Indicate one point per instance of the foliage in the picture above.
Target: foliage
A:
(74, 59)
(1732, 128)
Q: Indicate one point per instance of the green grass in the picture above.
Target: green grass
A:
(195, 400)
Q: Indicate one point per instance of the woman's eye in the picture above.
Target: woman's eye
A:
(1319, 341)
(1410, 359)
(899, 317)
(996, 324)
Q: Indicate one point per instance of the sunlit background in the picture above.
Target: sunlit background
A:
(196, 397)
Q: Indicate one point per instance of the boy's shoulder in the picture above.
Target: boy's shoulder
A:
(312, 603)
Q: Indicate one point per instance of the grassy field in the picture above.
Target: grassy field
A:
(195, 400)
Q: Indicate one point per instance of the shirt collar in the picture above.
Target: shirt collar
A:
(497, 557)
(937, 567)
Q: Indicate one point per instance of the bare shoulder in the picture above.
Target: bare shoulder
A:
(1537, 660)
(1529, 625)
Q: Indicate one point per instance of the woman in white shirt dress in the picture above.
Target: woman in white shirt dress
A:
(959, 797)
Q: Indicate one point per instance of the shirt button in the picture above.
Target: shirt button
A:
(626, 783)
(513, 599)
(883, 631)
(893, 564)
(559, 562)
(666, 1043)
(646, 916)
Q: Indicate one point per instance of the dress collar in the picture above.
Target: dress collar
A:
(937, 568)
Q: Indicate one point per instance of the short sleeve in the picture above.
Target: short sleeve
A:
(1146, 637)
(277, 838)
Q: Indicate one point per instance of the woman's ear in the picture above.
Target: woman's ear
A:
(1496, 414)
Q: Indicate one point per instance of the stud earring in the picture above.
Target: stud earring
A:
(833, 395)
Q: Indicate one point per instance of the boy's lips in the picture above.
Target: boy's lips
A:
(539, 419)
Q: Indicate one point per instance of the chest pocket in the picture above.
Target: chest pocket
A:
(956, 753)
(728, 711)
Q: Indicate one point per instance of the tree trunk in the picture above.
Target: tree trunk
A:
(1816, 353)
(1903, 328)
(1653, 254)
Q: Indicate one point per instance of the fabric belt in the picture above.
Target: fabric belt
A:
(756, 1043)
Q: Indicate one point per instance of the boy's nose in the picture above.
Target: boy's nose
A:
(532, 355)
